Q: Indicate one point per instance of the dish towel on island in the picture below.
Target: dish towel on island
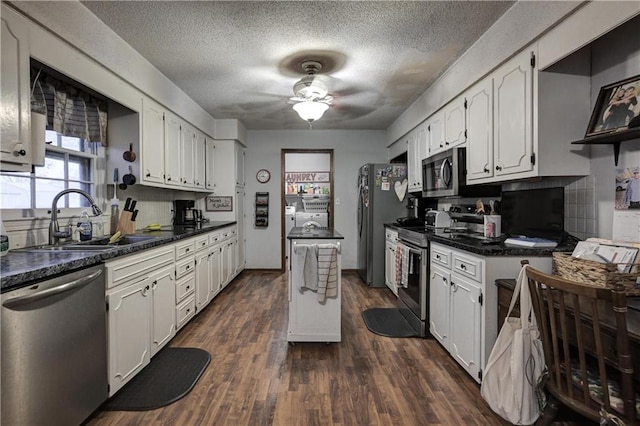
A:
(306, 271)
(327, 271)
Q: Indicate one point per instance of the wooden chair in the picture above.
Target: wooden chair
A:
(586, 345)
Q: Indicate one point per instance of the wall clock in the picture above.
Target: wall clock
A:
(263, 175)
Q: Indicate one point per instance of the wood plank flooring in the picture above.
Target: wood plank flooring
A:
(256, 378)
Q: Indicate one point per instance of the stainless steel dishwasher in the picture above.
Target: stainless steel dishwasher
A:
(54, 350)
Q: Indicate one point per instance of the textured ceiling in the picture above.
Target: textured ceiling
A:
(240, 59)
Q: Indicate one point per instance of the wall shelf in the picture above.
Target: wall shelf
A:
(262, 210)
(613, 138)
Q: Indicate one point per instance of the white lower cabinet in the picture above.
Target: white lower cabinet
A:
(203, 279)
(130, 310)
(129, 326)
(163, 319)
(455, 307)
(153, 294)
(463, 301)
(391, 238)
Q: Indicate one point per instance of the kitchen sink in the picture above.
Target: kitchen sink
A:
(126, 240)
(93, 245)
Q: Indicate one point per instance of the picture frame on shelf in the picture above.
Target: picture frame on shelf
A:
(219, 203)
(617, 104)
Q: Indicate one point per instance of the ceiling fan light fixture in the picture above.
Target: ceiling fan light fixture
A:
(310, 110)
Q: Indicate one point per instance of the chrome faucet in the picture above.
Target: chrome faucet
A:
(54, 229)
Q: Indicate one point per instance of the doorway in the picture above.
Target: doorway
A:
(307, 188)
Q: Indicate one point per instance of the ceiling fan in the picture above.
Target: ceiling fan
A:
(311, 92)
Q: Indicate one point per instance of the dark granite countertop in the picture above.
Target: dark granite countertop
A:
(19, 268)
(460, 241)
(314, 234)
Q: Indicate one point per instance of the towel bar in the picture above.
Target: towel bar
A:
(295, 247)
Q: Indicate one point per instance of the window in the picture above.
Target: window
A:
(68, 164)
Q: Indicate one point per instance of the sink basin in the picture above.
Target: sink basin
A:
(126, 240)
(93, 245)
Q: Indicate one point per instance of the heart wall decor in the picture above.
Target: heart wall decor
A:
(401, 188)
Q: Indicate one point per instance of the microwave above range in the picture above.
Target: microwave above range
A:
(445, 175)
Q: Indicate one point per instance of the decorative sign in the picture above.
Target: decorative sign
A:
(219, 204)
(316, 177)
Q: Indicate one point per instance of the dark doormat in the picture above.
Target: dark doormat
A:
(171, 374)
(388, 322)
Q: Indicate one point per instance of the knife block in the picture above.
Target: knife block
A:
(126, 226)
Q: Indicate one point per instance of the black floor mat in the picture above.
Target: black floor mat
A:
(171, 374)
(388, 322)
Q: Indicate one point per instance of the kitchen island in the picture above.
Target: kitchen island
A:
(314, 285)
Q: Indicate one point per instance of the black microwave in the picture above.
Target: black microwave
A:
(445, 175)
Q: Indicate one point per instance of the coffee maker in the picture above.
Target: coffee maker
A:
(184, 213)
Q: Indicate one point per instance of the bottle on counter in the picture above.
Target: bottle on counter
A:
(85, 227)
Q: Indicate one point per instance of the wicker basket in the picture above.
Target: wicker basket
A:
(596, 273)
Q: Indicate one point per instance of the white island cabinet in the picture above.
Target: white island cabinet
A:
(315, 266)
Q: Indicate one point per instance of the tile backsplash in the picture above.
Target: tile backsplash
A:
(579, 202)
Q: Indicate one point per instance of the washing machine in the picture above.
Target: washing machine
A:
(320, 219)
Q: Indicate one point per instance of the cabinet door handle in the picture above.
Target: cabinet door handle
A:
(486, 170)
(463, 267)
(498, 168)
(22, 152)
(149, 175)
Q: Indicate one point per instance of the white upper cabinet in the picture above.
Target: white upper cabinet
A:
(172, 149)
(414, 157)
(15, 114)
(210, 157)
(199, 161)
(187, 143)
(455, 127)
(435, 126)
(172, 152)
(153, 143)
(239, 172)
(514, 130)
(480, 130)
(512, 115)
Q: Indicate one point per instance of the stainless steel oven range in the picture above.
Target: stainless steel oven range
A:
(413, 299)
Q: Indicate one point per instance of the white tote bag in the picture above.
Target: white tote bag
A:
(516, 363)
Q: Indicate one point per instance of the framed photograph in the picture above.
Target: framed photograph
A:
(617, 104)
(219, 204)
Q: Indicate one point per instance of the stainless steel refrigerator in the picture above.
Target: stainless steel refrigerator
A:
(382, 189)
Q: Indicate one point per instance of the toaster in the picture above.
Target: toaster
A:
(437, 218)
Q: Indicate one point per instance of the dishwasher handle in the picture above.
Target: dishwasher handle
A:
(23, 300)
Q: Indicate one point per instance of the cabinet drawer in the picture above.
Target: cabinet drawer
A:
(136, 265)
(185, 249)
(441, 257)
(185, 267)
(467, 267)
(214, 238)
(185, 287)
(202, 243)
(391, 235)
(185, 311)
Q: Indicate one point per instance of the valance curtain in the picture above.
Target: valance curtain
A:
(70, 111)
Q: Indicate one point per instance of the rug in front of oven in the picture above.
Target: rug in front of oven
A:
(388, 322)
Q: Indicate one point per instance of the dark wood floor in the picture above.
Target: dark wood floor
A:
(256, 378)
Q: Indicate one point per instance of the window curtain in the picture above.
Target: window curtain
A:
(70, 111)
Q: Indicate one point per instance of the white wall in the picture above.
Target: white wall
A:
(352, 148)
(615, 57)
